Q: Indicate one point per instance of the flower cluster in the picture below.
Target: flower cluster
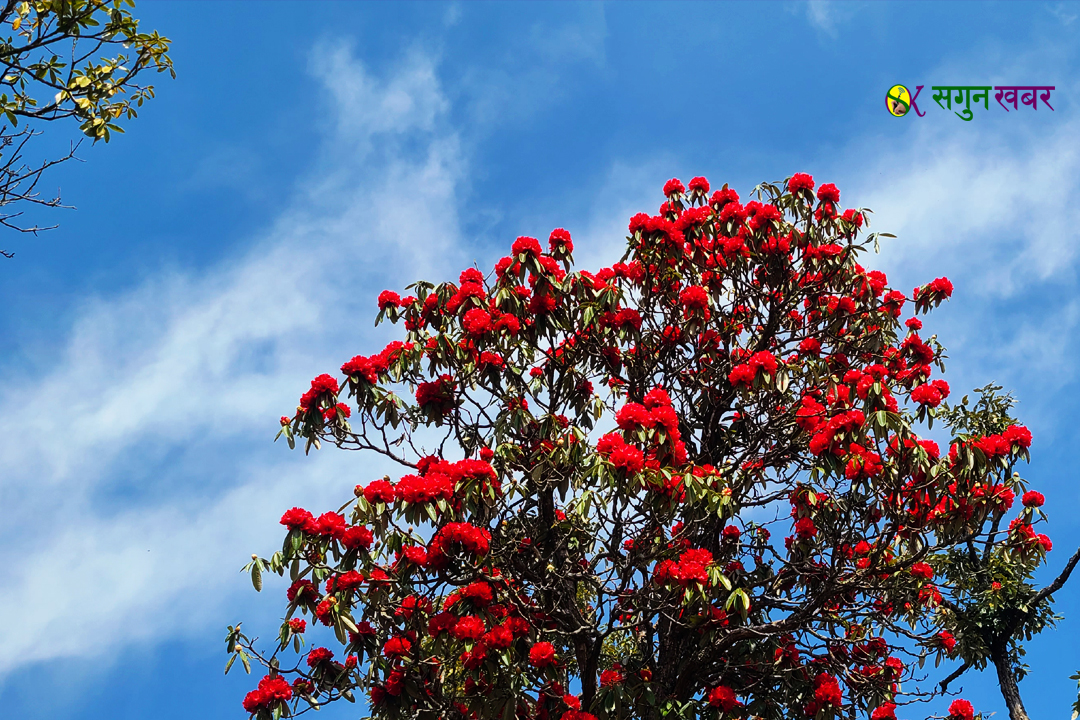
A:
(691, 568)
(271, 692)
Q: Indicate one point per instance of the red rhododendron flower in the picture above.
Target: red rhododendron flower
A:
(853, 216)
(742, 375)
(1033, 498)
(324, 611)
(633, 416)
(302, 590)
(319, 655)
(886, 711)
(476, 322)
(331, 414)
(720, 198)
(499, 637)
(542, 654)
(457, 535)
(415, 555)
(298, 519)
(508, 324)
(362, 368)
(345, 582)
(922, 571)
(827, 690)
(724, 698)
(388, 299)
(527, 246)
(379, 491)
(397, 646)
(254, 701)
(356, 536)
(437, 396)
(673, 186)
(805, 528)
(961, 710)
(471, 275)
(441, 623)
(828, 193)
(1017, 435)
(698, 185)
(611, 677)
(298, 625)
(926, 395)
(609, 443)
(629, 459)
(810, 346)
(993, 446)
(764, 361)
(577, 715)
(691, 568)
(665, 418)
(270, 692)
(320, 386)
(941, 286)
(430, 488)
(799, 182)
(694, 299)
(560, 240)
(331, 524)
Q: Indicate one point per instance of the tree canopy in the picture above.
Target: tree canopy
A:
(60, 59)
(699, 482)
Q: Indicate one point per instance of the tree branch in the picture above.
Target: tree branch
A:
(1060, 580)
(955, 674)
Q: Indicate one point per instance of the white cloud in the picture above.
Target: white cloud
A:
(822, 15)
(972, 200)
(109, 525)
(1061, 12)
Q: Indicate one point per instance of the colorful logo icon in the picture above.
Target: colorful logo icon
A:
(898, 101)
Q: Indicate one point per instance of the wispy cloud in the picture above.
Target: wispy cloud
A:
(1065, 12)
(822, 15)
(521, 78)
(140, 461)
(995, 206)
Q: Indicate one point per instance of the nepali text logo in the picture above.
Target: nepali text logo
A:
(899, 100)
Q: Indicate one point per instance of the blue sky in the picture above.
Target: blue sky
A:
(231, 245)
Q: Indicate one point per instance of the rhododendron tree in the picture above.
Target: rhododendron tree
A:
(696, 483)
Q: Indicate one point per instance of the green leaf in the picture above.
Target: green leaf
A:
(256, 576)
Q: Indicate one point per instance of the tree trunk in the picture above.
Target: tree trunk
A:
(1007, 681)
